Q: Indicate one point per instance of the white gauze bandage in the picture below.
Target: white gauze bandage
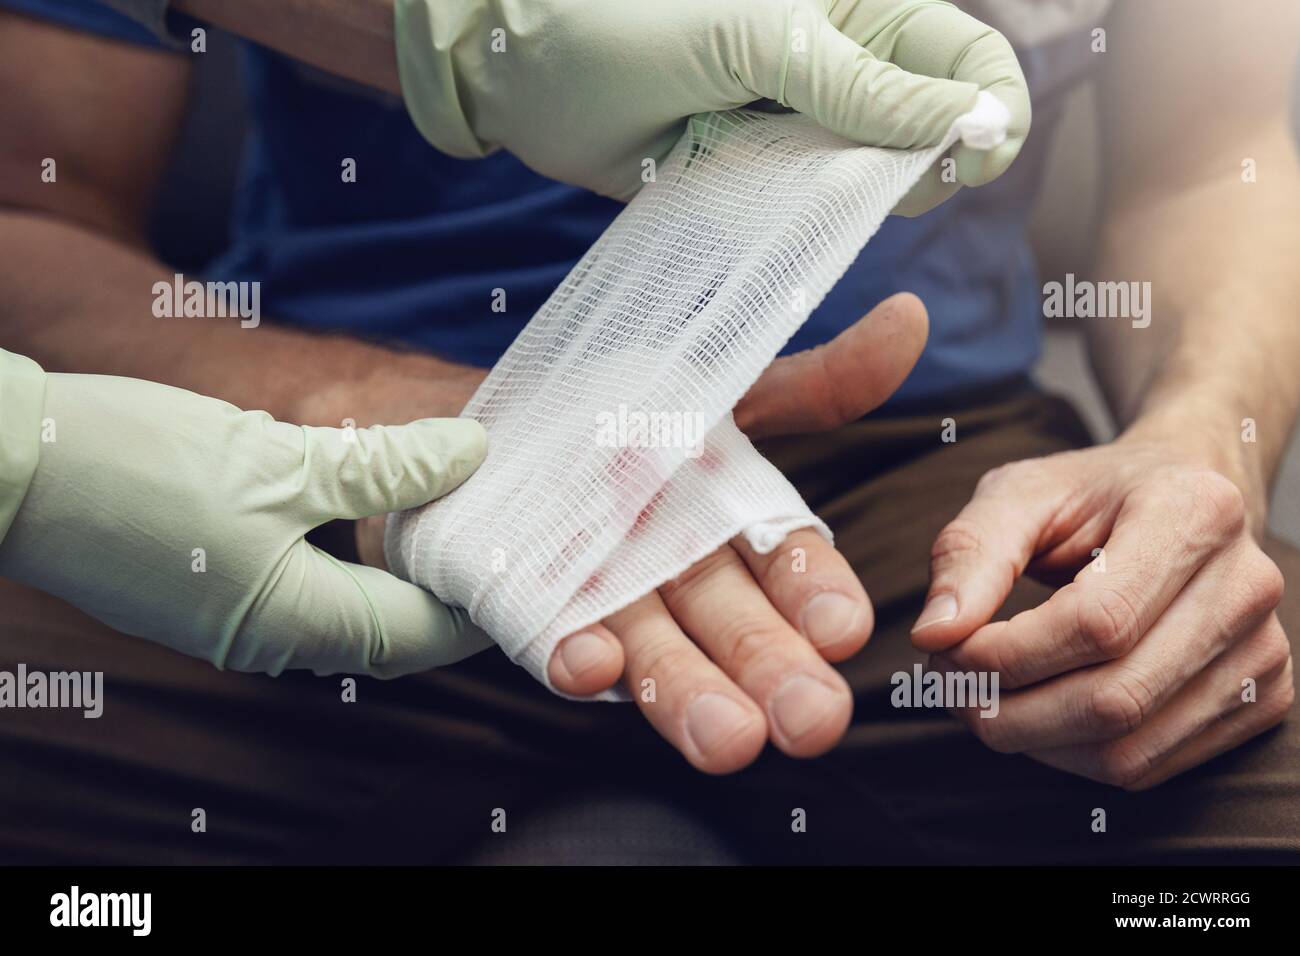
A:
(613, 462)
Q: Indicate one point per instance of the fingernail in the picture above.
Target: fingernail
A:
(828, 618)
(713, 719)
(582, 652)
(800, 704)
(940, 610)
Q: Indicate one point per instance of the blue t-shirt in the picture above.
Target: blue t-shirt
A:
(415, 248)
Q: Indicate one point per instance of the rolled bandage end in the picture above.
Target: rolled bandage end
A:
(985, 126)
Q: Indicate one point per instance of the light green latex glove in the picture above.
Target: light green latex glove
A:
(585, 91)
(180, 518)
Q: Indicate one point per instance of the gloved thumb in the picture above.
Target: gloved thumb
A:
(357, 472)
(332, 617)
(417, 631)
(848, 90)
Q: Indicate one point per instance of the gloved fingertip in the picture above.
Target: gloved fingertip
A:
(986, 125)
(976, 167)
(873, 101)
(454, 447)
(919, 111)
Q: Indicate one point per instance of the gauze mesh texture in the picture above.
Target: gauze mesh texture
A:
(613, 462)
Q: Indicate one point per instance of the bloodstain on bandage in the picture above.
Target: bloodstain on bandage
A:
(644, 516)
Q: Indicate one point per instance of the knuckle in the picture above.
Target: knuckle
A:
(1273, 652)
(1286, 693)
(1263, 584)
(1279, 706)
(994, 480)
(1218, 503)
(774, 570)
(1275, 703)
(1003, 660)
(960, 538)
(1118, 705)
(1108, 623)
(746, 639)
(999, 478)
(994, 733)
(1123, 765)
(666, 662)
(834, 406)
(700, 573)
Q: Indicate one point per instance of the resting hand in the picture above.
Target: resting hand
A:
(1141, 666)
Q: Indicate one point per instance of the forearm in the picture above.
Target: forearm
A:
(352, 38)
(74, 300)
(1224, 335)
(1203, 202)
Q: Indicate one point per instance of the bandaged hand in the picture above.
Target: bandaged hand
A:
(596, 94)
(180, 518)
(738, 646)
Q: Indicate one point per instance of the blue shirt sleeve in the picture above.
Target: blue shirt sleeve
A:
(88, 16)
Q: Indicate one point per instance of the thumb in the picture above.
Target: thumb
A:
(851, 92)
(358, 472)
(839, 382)
(332, 617)
(412, 630)
(976, 559)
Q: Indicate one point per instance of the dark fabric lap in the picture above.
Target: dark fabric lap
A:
(413, 771)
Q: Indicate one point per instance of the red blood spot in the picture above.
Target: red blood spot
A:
(710, 460)
(639, 525)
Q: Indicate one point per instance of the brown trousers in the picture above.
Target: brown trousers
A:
(413, 771)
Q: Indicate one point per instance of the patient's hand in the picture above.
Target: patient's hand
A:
(738, 646)
(1138, 667)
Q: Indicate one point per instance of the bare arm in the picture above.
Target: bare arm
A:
(352, 38)
(1190, 91)
(75, 277)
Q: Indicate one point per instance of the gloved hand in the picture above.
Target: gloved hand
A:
(180, 518)
(584, 91)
